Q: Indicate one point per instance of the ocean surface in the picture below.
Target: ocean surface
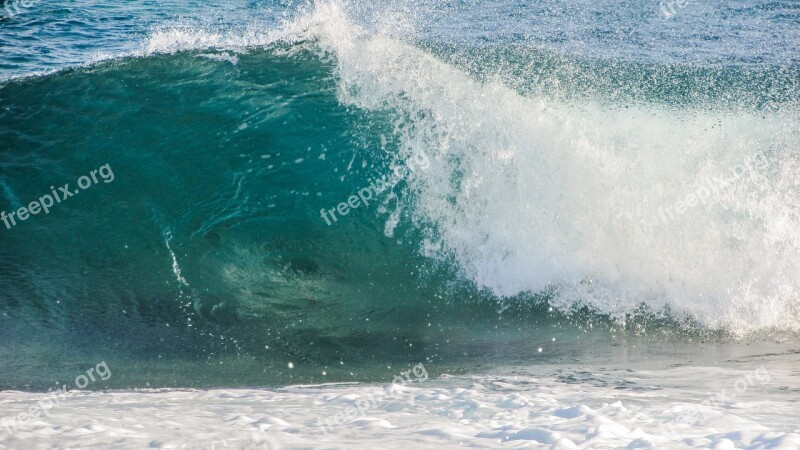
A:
(592, 207)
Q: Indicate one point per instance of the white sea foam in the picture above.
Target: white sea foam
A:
(675, 408)
(227, 57)
(176, 39)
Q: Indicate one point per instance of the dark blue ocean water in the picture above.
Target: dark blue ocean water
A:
(538, 182)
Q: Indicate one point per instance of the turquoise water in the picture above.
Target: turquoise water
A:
(549, 139)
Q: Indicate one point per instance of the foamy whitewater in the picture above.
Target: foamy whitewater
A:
(600, 251)
(565, 409)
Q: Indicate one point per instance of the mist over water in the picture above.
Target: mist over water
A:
(579, 194)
